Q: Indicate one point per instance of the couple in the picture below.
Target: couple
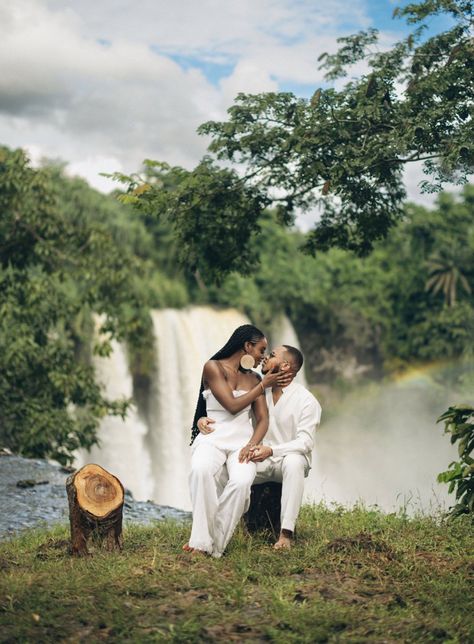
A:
(223, 434)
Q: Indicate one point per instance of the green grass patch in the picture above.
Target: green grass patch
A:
(353, 576)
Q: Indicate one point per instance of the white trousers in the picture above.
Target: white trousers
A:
(215, 517)
(290, 470)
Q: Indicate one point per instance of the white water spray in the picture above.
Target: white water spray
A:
(184, 339)
(122, 449)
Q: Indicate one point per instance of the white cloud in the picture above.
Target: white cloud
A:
(103, 85)
(68, 95)
(413, 175)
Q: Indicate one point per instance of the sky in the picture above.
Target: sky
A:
(104, 84)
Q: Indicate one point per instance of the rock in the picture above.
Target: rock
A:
(37, 504)
(67, 469)
(30, 483)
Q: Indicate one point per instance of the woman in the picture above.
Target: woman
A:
(229, 391)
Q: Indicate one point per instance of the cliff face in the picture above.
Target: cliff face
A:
(33, 494)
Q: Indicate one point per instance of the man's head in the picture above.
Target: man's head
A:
(283, 358)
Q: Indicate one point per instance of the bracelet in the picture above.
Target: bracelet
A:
(261, 385)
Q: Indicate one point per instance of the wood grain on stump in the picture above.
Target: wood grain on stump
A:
(265, 508)
(95, 508)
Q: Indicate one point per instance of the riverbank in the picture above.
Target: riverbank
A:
(354, 575)
(33, 494)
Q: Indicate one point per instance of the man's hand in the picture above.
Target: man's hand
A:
(260, 453)
(204, 425)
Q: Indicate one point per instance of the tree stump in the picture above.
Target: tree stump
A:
(265, 508)
(95, 508)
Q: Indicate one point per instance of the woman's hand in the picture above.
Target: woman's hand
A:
(280, 379)
(246, 453)
(204, 425)
(261, 452)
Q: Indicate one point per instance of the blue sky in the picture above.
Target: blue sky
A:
(379, 15)
(104, 85)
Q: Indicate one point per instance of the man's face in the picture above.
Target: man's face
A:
(275, 361)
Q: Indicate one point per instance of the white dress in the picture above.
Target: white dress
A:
(215, 517)
(231, 431)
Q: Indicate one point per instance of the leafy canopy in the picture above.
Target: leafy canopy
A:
(342, 152)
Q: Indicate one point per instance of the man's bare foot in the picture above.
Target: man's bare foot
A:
(284, 541)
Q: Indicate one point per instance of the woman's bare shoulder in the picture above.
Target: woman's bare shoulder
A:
(210, 368)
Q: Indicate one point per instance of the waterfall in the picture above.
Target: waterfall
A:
(184, 340)
(152, 457)
(122, 449)
(381, 448)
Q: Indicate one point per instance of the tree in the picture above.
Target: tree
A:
(446, 270)
(57, 266)
(213, 215)
(344, 151)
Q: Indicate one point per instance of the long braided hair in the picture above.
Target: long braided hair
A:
(241, 335)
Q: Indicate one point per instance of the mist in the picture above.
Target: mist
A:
(382, 447)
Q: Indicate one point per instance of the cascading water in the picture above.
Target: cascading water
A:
(122, 448)
(152, 457)
(184, 340)
(383, 448)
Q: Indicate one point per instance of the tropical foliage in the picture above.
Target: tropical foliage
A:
(373, 313)
(459, 422)
(58, 264)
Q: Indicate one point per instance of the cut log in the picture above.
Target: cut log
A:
(265, 508)
(95, 508)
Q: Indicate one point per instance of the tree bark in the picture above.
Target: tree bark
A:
(265, 508)
(95, 508)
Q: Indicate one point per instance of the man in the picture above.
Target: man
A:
(285, 456)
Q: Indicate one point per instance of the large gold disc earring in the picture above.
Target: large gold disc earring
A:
(247, 362)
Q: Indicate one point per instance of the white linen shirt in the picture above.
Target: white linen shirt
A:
(292, 422)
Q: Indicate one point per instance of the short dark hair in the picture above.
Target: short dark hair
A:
(295, 355)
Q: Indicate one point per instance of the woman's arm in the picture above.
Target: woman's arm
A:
(260, 411)
(219, 386)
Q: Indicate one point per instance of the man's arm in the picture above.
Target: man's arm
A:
(303, 443)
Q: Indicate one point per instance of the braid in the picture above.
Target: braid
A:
(241, 335)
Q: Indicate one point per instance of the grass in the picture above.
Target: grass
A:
(353, 576)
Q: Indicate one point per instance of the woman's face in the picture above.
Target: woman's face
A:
(257, 350)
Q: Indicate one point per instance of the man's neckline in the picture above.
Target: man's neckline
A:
(285, 389)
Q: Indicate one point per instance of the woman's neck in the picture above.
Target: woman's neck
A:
(233, 362)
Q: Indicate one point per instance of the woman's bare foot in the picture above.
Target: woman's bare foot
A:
(284, 541)
(193, 551)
